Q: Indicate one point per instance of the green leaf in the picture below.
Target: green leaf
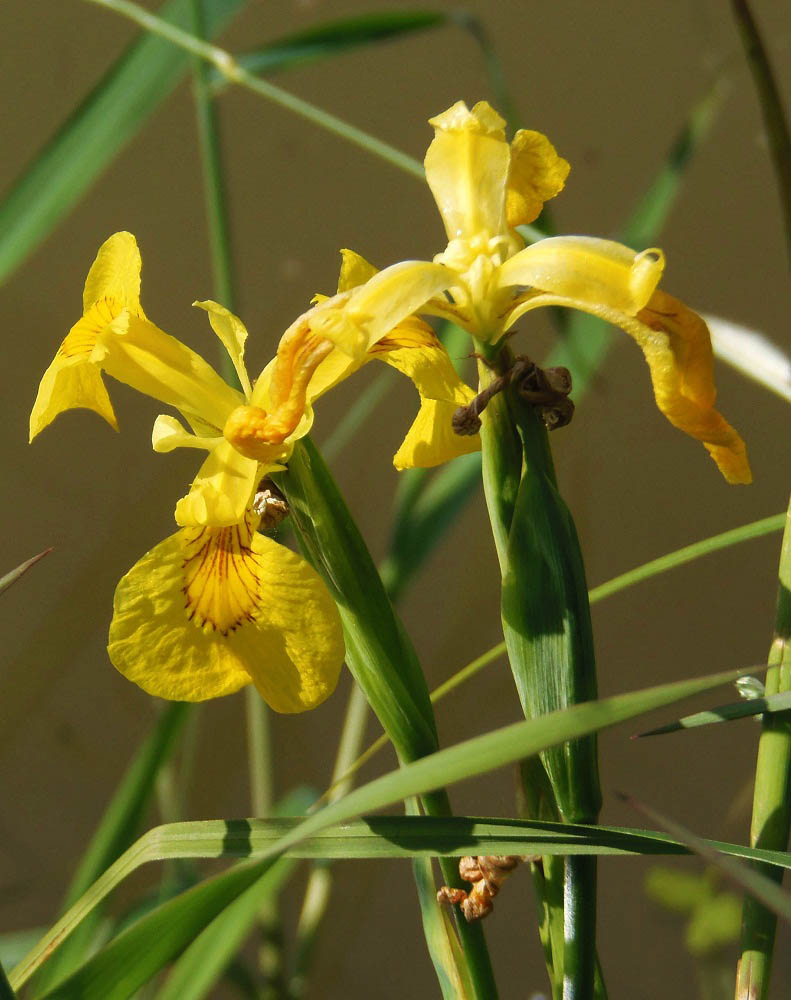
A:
(203, 962)
(12, 577)
(95, 132)
(726, 713)
(760, 887)
(465, 760)
(335, 37)
(131, 959)
(116, 830)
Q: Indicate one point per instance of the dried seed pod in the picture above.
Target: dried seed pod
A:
(558, 380)
(558, 414)
(486, 873)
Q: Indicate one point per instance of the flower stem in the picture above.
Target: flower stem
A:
(225, 64)
(771, 819)
(547, 630)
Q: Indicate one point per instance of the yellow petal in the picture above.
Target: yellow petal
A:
(73, 380)
(136, 352)
(168, 434)
(115, 274)
(222, 490)
(354, 321)
(68, 384)
(413, 349)
(467, 167)
(233, 334)
(677, 347)
(599, 272)
(431, 439)
(537, 174)
(355, 270)
(206, 611)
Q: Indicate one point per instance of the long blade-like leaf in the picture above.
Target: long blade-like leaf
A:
(334, 37)
(465, 760)
(12, 577)
(726, 713)
(95, 132)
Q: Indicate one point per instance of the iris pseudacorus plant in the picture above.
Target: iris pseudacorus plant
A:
(486, 278)
(219, 605)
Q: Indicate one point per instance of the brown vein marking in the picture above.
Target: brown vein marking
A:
(222, 582)
(411, 332)
(81, 339)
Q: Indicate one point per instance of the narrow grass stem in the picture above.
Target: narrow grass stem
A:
(771, 819)
(777, 129)
(226, 65)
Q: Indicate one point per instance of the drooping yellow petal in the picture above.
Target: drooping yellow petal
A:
(221, 491)
(208, 610)
(595, 271)
(74, 380)
(537, 174)
(677, 347)
(413, 349)
(467, 167)
(115, 274)
(233, 334)
(138, 353)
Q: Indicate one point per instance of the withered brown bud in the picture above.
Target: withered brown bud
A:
(558, 380)
(558, 414)
(486, 873)
(465, 421)
(270, 503)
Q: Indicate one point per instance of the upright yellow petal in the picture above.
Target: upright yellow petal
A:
(115, 274)
(467, 167)
(221, 491)
(233, 335)
(600, 272)
(537, 174)
(355, 270)
(208, 610)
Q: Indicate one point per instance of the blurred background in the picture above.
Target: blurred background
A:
(611, 84)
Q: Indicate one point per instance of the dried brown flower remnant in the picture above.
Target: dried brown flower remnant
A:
(486, 872)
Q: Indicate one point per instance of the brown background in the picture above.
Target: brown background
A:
(611, 84)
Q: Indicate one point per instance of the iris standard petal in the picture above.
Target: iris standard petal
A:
(233, 334)
(206, 611)
(467, 168)
(115, 274)
(537, 174)
(221, 491)
(596, 271)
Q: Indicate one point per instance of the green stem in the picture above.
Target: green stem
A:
(771, 107)
(548, 635)
(225, 64)
(771, 819)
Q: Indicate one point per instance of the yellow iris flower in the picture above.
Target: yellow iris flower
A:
(486, 278)
(218, 605)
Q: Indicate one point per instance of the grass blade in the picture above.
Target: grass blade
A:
(95, 132)
(12, 577)
(472, 757)
(749, 879)
(116, 831)
(725, 713)
(335, 37)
